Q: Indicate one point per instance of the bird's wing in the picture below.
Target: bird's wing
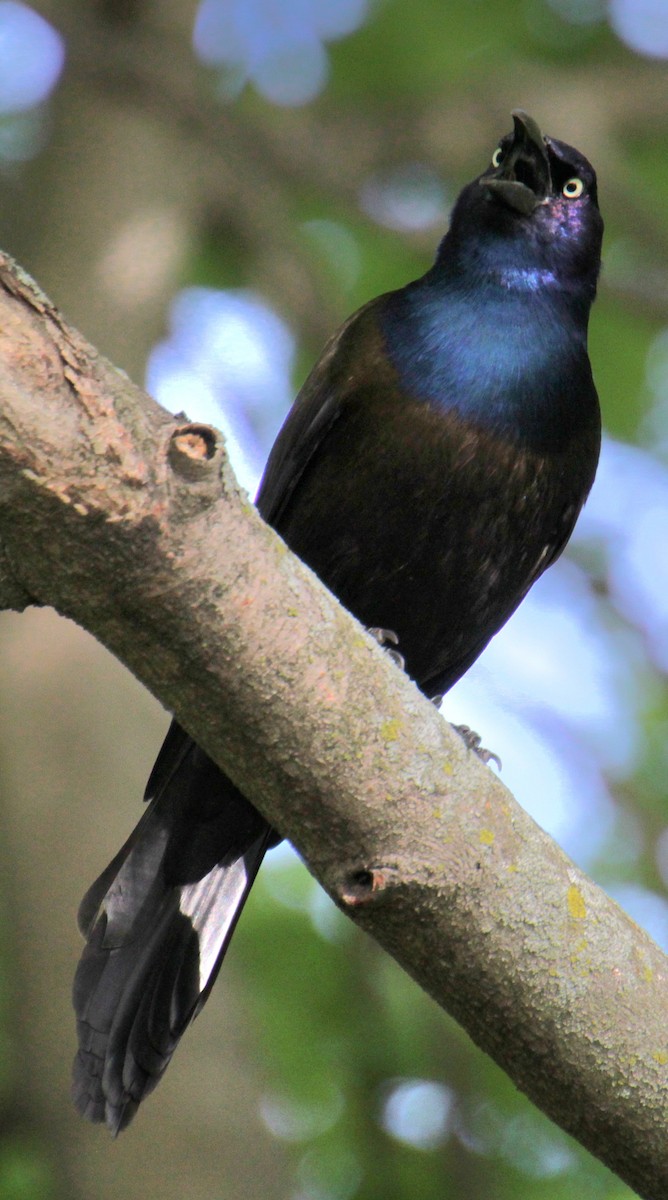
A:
(319, 404)
(172, 752)
(158, 920)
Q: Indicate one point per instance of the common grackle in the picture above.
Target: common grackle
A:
(431, 468)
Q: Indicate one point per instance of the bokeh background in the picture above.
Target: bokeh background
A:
(207, 190)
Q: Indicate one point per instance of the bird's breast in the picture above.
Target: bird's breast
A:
(508, 361)
(427, 524)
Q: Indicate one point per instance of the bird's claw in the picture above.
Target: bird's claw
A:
(473, 741)
(383, 636)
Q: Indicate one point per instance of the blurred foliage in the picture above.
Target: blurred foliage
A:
(319, 1071)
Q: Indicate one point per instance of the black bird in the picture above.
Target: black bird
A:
(432, 467)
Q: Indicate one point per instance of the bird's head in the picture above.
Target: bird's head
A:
(531, 220)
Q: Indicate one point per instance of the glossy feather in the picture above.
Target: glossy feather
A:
(433, 465)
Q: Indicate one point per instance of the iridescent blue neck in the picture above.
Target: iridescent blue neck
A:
(526, 279)
(507, 357)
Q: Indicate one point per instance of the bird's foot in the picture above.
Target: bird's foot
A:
(472, 741)
(383, 636)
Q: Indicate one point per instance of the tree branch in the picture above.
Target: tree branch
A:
(133, 525)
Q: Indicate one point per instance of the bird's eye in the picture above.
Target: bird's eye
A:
(497, 157)
(573, 188)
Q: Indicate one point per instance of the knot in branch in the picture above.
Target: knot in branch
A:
(193, 451)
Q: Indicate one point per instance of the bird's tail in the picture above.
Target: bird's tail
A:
(157, 923)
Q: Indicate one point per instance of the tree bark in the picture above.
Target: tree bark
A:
(133, 525)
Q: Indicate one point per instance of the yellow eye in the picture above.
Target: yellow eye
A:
(497, 157)
(573, 188)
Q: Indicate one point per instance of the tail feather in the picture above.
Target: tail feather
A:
(157, 923)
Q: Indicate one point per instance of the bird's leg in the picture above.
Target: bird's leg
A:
(472, 741)
(383, 636)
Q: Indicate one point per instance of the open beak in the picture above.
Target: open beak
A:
(522, 180)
